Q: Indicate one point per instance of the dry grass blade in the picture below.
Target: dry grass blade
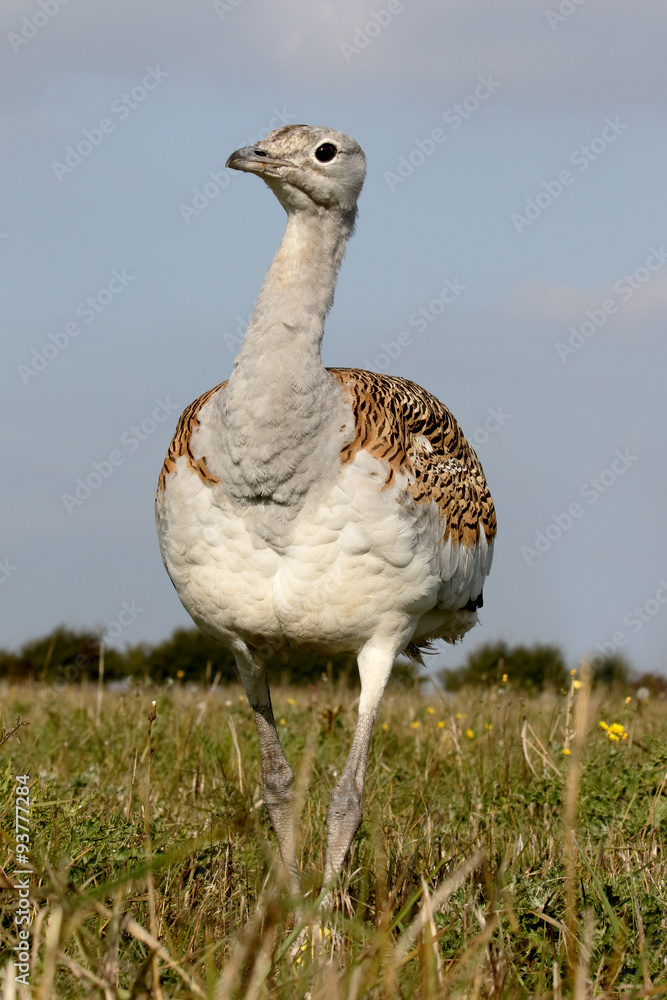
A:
(82, 973)
(150, 884)
(525, 744)
(52, 938)
(539, 749)
(232, 729)
(6, 734)
(438, 899)
(141, 934)
(9, 992)
(100, 687)
(430, 922)
(248, 960)
(570, 813)
(581, 982)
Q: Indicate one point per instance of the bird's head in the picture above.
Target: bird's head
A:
(307, 166)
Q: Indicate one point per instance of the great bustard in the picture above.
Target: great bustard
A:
(324, 509)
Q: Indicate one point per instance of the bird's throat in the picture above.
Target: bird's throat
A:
(280, 401)
(297, 293)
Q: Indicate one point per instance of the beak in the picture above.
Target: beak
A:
(254, 160)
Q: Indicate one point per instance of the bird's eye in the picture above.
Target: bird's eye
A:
(260, 152)
(326, 152)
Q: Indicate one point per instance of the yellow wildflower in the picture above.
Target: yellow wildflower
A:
(488, 726)
(385, 727)
(282, 722)
(320, 934)
(431, 711)
(573, 672)
(615, 732)
(291, 701)
(567, 751)
(416, 725)
(470, 734)
(504, 678)
(441, 725)
(576, 685)
(628, 700)
(180, 674)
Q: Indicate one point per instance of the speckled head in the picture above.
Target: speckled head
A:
(307, 166)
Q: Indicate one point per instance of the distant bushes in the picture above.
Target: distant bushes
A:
(530, 667)
(64, 655)
(70, 656)
(534, 668)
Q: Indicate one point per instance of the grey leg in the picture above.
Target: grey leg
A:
(346, 804)
(277, 775)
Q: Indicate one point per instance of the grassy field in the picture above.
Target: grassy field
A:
(510, 847)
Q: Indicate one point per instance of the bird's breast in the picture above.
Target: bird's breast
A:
(323, 578)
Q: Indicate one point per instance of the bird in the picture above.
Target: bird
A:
(321, 509)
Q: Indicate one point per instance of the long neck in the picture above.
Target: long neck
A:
(281, 407)
(287, 324)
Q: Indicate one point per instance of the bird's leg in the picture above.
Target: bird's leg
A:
(277, 775)
(346, 803)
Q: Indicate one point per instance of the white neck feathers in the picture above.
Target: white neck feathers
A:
(280, 409)
(297, 293)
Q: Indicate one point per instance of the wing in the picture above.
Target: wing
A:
(403, 425)
(415, 434)
(180, 443)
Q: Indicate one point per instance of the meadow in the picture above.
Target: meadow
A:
(511, 846)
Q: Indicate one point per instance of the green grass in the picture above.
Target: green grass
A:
(489, 863)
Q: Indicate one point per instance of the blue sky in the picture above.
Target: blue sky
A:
(516, 153)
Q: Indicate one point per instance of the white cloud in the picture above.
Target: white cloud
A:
(639, 299)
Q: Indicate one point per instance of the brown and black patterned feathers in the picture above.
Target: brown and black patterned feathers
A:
(404, 426)
(415, 434)
(181, 442)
